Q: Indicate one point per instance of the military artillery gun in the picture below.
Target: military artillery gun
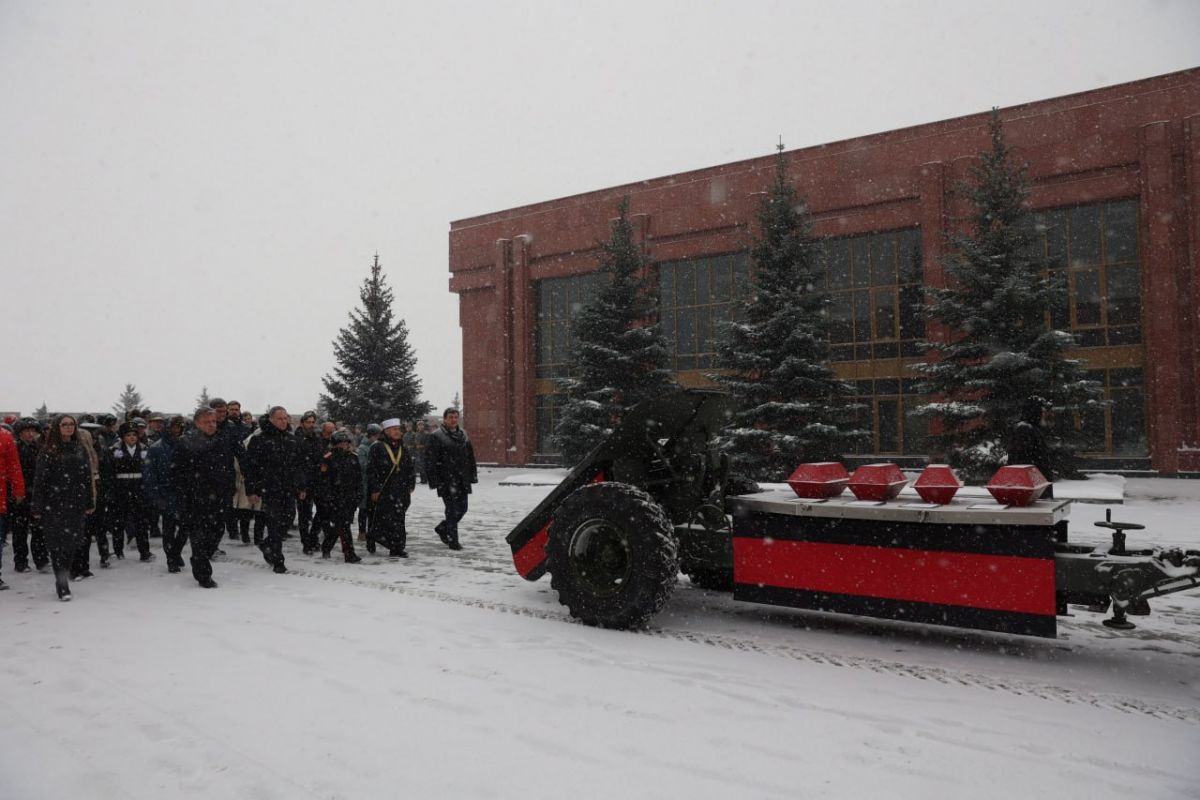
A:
(655, 498)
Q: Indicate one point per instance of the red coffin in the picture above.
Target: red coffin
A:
(877, 482)
(1017, 484)
(937, 484)
(819, 479)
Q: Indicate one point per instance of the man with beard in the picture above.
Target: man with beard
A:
(390, 482)
(276, 473)
(155, 431)
(106, 436)
(161, 494)
(450, 470)
(203, 476)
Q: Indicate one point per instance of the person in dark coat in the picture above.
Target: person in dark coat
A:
(276, 474)
(99, 523)
(202, 471)
(1027, 441)
(309, 446)
(123, 473)
(340, 489)
(320, 518)
(159, 486)
(228, 431)
(450, 469)
(371, 436)
(390, 483)
(64, 496)
(106, 434)
(27, 537)
(259, 517)
(235, 430)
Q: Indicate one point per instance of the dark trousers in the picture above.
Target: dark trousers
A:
(339, 528)
(99, 525)
(27, 536)
(260, 524)
(205, 527)
(153, 519)
(456, 508)
(387, 522)
(174, 537)
(278, 512)
(304, 515)
(65, 546)
(132, 522)
(94, 528)
(310, 538)
(238, 524)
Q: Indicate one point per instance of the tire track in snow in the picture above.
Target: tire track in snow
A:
(950, 677)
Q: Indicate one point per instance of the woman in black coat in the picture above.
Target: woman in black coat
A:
(63, 496)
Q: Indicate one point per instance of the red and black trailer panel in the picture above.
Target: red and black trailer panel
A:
(971, 565)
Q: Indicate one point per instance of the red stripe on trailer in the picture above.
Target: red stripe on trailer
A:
(598, 477)
(529, 557)
(1002, 583)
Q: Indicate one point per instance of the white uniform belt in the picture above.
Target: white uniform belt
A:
(129, 474)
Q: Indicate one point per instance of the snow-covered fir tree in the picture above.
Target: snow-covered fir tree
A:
(620, 356)
(202, 399)
(999, 349)
(42, 414)
(130, 400)
(775, 350)
(375, 377)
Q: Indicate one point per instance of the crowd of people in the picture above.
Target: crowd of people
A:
(220, 474)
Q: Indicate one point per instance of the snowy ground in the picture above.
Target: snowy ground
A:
(448, 676)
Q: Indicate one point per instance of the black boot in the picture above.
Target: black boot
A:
(62, 584)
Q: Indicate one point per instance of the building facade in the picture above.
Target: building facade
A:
(1114, 175)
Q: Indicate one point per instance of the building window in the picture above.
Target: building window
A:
(874, 286)
(559, 300)
(1094, 249)
(695, 296)
(1119, 429)
(884, 406)
(548, 408)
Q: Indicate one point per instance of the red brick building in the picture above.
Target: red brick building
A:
(1115, 182)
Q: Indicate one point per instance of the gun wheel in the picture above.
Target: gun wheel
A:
(612, 555)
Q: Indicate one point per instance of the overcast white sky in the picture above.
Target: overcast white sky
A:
(191, 192)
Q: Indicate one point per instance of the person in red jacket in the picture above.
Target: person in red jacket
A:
(12, 482)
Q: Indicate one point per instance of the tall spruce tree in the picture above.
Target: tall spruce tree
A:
(130, 400)
(202, 398)
(42, 414)
(620, 356)
(375, 377)
(775, 350)
(999, 349)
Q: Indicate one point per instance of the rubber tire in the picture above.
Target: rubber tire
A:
(631, 519)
